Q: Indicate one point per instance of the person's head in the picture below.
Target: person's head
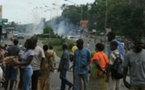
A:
(15, 42)
(80, 43)
(45, 47)
(113, 45)
(138, 46)
(99, 47)
(50, 47)
(111, 36)
(29, 44)
(6, 45)
(64, 46)
(34, 39)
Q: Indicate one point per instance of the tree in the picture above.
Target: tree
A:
(97, 16)
(48, 30)
(123, 17)
(126, 19)
(75, 13)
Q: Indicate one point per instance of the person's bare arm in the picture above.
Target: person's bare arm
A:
(27, 62)
(124, 77)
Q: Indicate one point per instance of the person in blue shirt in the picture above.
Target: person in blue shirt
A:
(82, 60)
(63, 67)
(120, 47)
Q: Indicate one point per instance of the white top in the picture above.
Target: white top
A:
(39, 54)
(113, 57)
(25, 56)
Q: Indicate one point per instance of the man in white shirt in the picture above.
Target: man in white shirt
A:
(113, 84)
(36, 63)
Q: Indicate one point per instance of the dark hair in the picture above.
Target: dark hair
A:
(6, 45)
(100, 47)
(15, 41)
(111, 35)
(138, 46)
(50, 47)
(34, 39)
(114, 43)
(45, 47)
(29, 44)
(80, 41)
(65, 46)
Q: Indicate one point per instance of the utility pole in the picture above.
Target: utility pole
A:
(106, 14)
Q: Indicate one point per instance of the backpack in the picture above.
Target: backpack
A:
(117, 68)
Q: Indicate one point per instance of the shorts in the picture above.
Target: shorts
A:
(11, 72)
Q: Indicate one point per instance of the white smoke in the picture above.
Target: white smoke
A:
(37, 26)
(63, 26)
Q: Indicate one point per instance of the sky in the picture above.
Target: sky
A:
(30, 11)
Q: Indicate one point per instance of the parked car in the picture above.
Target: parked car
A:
(21, 36)
(73, 37)
(15, 33)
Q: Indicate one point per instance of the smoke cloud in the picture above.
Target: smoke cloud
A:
(63, 26)
(36, 27)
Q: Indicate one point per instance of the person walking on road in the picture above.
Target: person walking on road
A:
(82, 58)
(37, 61)
(63, 67)
(135, 62)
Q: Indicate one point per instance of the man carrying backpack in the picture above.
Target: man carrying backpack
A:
(115, 62)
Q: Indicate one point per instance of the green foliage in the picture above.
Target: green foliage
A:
(48, 30)
(75, 13)
(54, 41)
(48, 33)
(126, 19)
(97, 16)
(70, 43)
(57, 44)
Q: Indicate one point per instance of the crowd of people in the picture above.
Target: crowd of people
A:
(33, 65)
(25, 66)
